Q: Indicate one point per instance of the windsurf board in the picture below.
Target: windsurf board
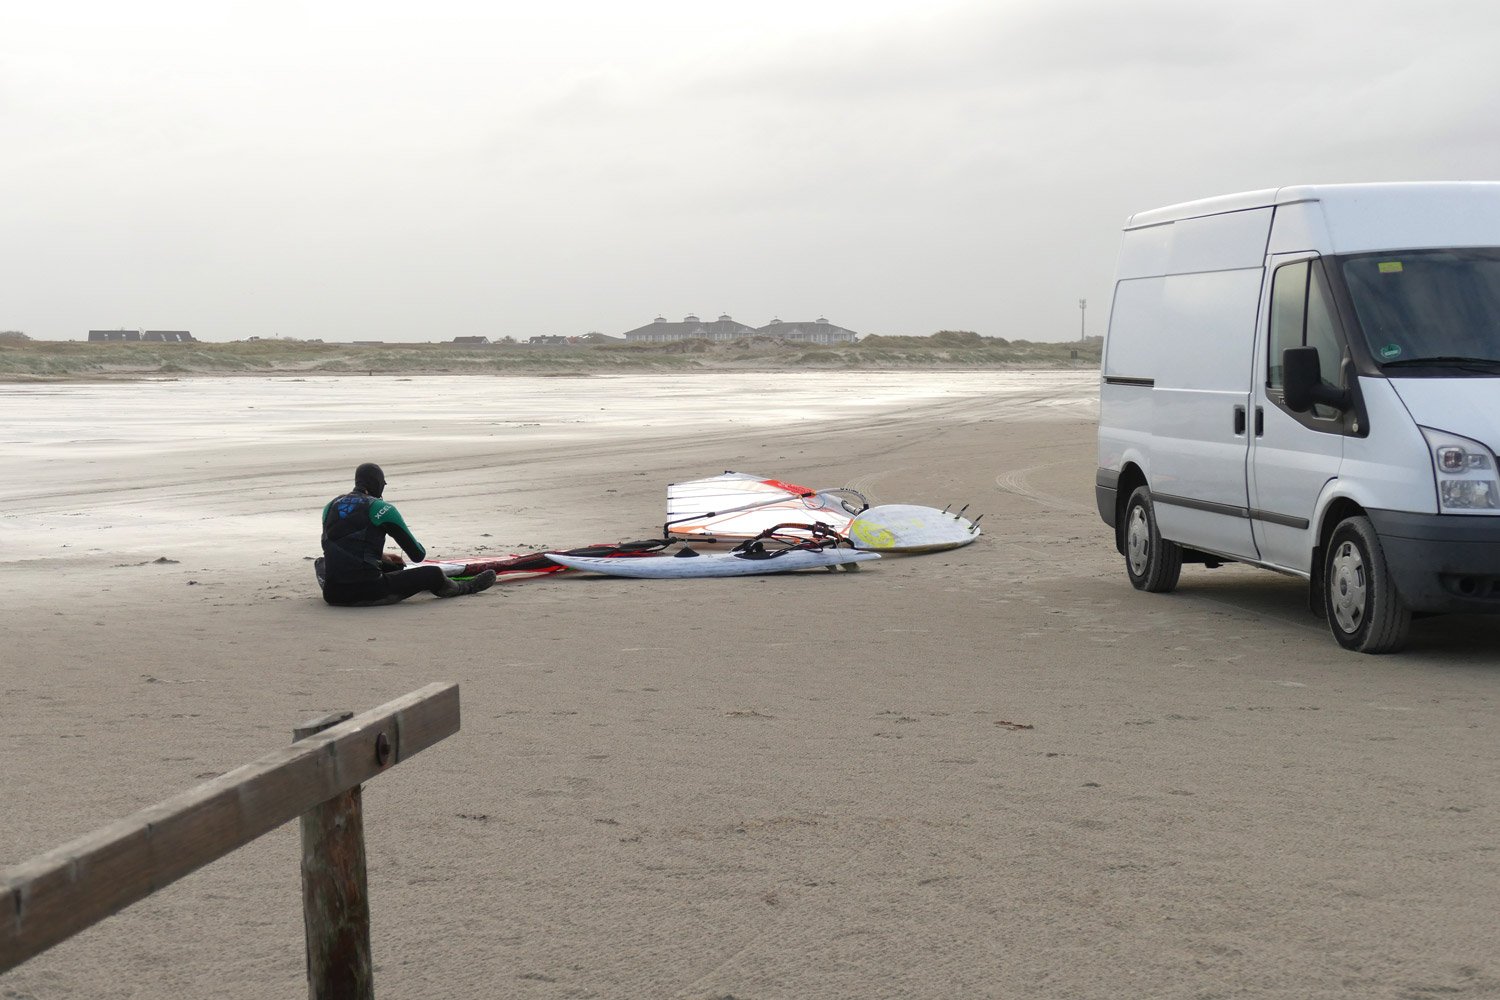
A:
(910, 528)
(720, 564)
(537, 562)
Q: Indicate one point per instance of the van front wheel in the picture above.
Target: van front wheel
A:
(1152, 563)
(1364, 611)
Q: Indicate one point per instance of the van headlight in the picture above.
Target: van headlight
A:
(1465, 472)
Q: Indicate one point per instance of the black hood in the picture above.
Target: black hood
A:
(369, 479)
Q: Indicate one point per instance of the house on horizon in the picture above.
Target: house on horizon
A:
(691, 328)
(728, 329)
(471, 341)
(819, 331)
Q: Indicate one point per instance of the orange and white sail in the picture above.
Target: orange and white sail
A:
(741, 505)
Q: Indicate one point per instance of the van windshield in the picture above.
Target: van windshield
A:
(1426, 312)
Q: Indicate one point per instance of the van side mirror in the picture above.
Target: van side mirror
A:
(1302, 382)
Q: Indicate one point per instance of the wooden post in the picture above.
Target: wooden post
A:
(51, 897)
(335, 897)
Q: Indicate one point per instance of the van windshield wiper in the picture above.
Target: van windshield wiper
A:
(1447, 361)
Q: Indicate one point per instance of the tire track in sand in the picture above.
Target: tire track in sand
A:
(1018, 482)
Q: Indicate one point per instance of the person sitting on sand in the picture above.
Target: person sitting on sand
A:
(357, 572)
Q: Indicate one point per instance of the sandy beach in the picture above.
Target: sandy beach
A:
(992, 772)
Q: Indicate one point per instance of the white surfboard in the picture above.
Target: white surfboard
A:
(720, 564)
(902, 527)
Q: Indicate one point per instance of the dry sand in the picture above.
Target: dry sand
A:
(808, 786)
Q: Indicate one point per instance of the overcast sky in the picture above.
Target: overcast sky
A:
(402, 171)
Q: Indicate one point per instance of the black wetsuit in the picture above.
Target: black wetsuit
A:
(355, 527)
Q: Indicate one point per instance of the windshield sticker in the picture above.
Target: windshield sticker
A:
(1390, 352)
(1389, 267)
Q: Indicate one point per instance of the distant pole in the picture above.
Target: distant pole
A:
(1083, 305)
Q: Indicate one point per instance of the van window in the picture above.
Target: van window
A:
(1302, 316)
(1288, 305)
(1322, 327)
(1422, 309)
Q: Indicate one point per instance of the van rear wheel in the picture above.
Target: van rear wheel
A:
(1152, 563)
(1364, 611)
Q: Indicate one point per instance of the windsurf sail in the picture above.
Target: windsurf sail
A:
(527, 564)
(739, 505)
(537, 562)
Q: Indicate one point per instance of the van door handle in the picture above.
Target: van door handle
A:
(1239, 420)
(1260, 422)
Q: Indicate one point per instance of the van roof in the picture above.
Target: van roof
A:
(1302, 193)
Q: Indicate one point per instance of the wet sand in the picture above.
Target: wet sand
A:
(809, 786)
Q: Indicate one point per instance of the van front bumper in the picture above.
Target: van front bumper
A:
(1442, 562)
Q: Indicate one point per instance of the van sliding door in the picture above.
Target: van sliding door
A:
(1203, 326)
(1177, 373)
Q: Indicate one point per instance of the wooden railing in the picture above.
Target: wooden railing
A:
(57, 894)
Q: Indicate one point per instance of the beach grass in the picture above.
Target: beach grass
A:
(26, 359)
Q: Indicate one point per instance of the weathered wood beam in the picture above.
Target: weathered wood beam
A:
(335, 891)
(57, 894)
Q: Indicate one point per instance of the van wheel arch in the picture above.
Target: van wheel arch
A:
(1338, 512)
(1131, 477)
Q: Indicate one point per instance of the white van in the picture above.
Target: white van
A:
(1308, 379)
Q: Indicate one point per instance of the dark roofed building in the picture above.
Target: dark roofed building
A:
(471, 341)
(819, 331)
(168, 336)
(691, 328)
(114, 335)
